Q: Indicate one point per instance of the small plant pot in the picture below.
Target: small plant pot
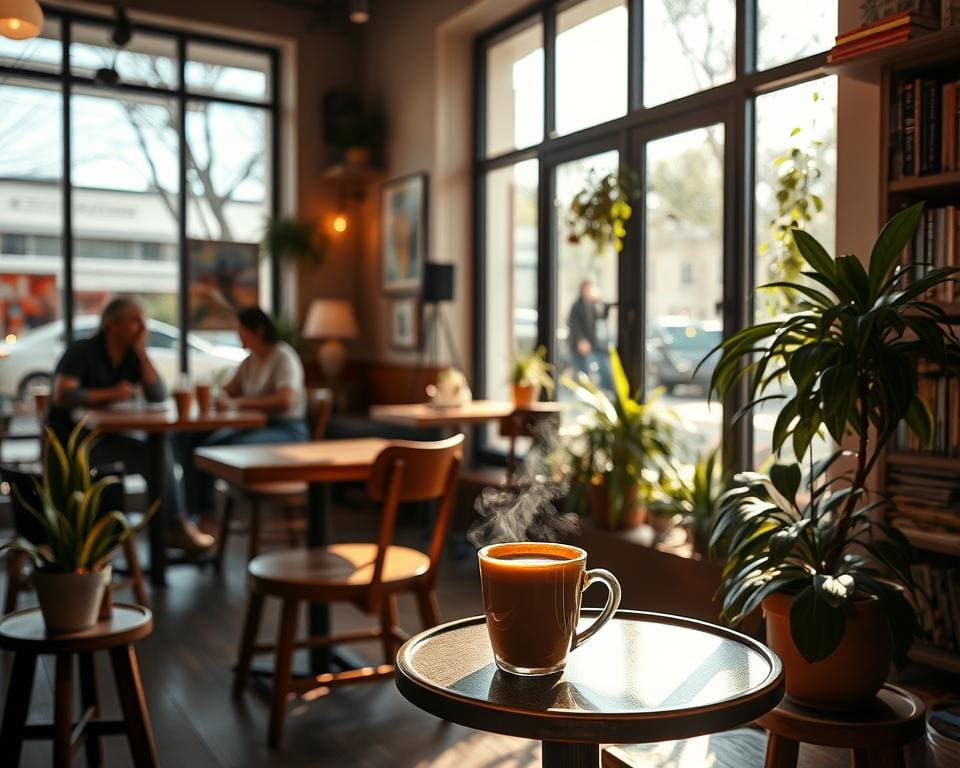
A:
(848, 678)
(70, 602)
(524, 395)
(630, 515)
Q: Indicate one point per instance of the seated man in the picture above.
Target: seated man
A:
(105, 369)
(270, 380)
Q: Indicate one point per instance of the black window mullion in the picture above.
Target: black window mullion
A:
(184, 309)
(745, 59)
(635, 56)
(276, 203)
(66, 180)
(549, 73)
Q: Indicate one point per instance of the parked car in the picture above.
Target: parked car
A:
(675, 347)
(28, 363)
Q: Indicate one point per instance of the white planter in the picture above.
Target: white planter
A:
(70, 602)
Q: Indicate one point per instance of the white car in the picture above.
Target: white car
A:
(27, 364)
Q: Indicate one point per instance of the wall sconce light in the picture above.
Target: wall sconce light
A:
(359, 11)
(20, 19)
(340, 223)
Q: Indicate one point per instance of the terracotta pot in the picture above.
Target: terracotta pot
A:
(70, 602)
(850, 676)
(630, 515)
(357, 157)
(524, 395)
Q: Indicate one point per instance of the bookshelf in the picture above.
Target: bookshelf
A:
(928, 512)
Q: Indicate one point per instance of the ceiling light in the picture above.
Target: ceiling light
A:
(359, 11)
(21, 19)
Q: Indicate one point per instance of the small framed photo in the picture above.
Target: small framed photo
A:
(405, 319)
(403, 234)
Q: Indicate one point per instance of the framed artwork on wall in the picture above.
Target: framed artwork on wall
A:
(403, 233)
(223, 278)
(404, 324)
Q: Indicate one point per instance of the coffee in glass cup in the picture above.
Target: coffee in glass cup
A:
(531, 598)
(184, 399)
(204, 397)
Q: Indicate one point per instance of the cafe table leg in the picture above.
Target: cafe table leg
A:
(559, 754)
(158, 525)
(317, 536)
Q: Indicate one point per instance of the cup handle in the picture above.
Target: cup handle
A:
(613, 602)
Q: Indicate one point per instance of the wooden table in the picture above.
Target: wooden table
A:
(475, 412)
(157, 424)
(645, 677)
(23, 632)
(318, 463)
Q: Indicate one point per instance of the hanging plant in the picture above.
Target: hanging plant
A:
(601, 210)
(289, 239)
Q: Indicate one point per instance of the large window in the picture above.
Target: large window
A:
(709, 114)
(148, 171)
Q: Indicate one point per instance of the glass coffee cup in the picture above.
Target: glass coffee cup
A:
(531, 597)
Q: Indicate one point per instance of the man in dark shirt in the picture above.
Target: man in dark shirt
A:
(588, 346)
(108, 368)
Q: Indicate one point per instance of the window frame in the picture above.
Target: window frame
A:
(732, 103)
(181, 96)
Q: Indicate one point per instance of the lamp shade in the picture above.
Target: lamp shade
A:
(330, 319)
(20, 19)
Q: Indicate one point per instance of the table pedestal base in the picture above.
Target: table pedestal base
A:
(559, 754)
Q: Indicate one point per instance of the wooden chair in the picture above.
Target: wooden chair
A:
(370, 576)
(18, 566)
(288, 498)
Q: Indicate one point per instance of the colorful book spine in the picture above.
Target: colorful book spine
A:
(925, 126)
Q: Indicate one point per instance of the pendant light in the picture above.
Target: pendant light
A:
(359, 11)
(20, 19)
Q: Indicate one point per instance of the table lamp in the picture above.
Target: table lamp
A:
(331, 321)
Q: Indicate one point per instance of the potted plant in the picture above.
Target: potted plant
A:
(834, 581)
(71, 570)
(690, 495)
(529, 374)
(288, 239)
(599, 212)
(620, 447)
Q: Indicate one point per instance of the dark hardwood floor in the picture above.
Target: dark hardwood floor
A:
(186, 667)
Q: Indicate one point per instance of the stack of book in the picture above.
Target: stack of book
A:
(892, 30)
(926, 498)
(935, 244)
(941, 619)
(925, 125)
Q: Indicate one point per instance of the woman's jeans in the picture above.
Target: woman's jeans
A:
(198, 486)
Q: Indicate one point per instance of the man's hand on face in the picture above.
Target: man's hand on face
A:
(583, 347)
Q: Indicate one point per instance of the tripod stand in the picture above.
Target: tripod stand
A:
(435, 323)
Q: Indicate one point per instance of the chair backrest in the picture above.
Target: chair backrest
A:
(319, 407)
(414, 471)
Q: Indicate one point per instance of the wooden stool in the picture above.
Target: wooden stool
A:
(877, 733)
(24, 633)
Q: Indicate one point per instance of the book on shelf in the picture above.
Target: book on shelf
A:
(940, 611)
(925, 125)
(935, 244)
(892, 30)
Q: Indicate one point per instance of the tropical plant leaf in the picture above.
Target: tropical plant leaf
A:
(815, 625)
(891, 241)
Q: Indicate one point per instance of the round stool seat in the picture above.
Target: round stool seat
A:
(25, 630)
(895, 718)
(299, 573)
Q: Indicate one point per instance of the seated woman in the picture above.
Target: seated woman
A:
(269, 380)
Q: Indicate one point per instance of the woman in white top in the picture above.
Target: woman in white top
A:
(270, 379)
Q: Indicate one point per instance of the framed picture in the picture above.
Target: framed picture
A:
(223, 278)
(403, 234)
(405, 324)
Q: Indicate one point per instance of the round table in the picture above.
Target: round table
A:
(645, 677)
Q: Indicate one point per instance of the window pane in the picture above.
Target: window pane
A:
(796, 160)
(43, 53)
(591, 64)
(684, 275)
(220, 70)
(228, 201)
(784, 34)
(31, 266)
(587, 279)
(687, 47)
(514, 90)
(148, 59)
(510, 274)
(125, 161)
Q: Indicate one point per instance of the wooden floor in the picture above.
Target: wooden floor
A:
(186, 668)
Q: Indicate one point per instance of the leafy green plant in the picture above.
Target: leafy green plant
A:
(601, 210)
(79, 536)
(292, 240)
(851, 353)
(622, 442)
(692, 492)
(532, 369)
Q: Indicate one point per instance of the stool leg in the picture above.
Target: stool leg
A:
(253, 543)
(251, 626)
(90, 700)
(781, 752)
(136, 572)
(281, 671)
(126, 673)
(388, 620)
(15, 564)
(427, 605)
(561, 755)
(63, 711)
(225, 521)
(17, 706)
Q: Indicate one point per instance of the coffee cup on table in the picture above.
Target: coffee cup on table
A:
(204, 397)
(531, 598)
(184, 399)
